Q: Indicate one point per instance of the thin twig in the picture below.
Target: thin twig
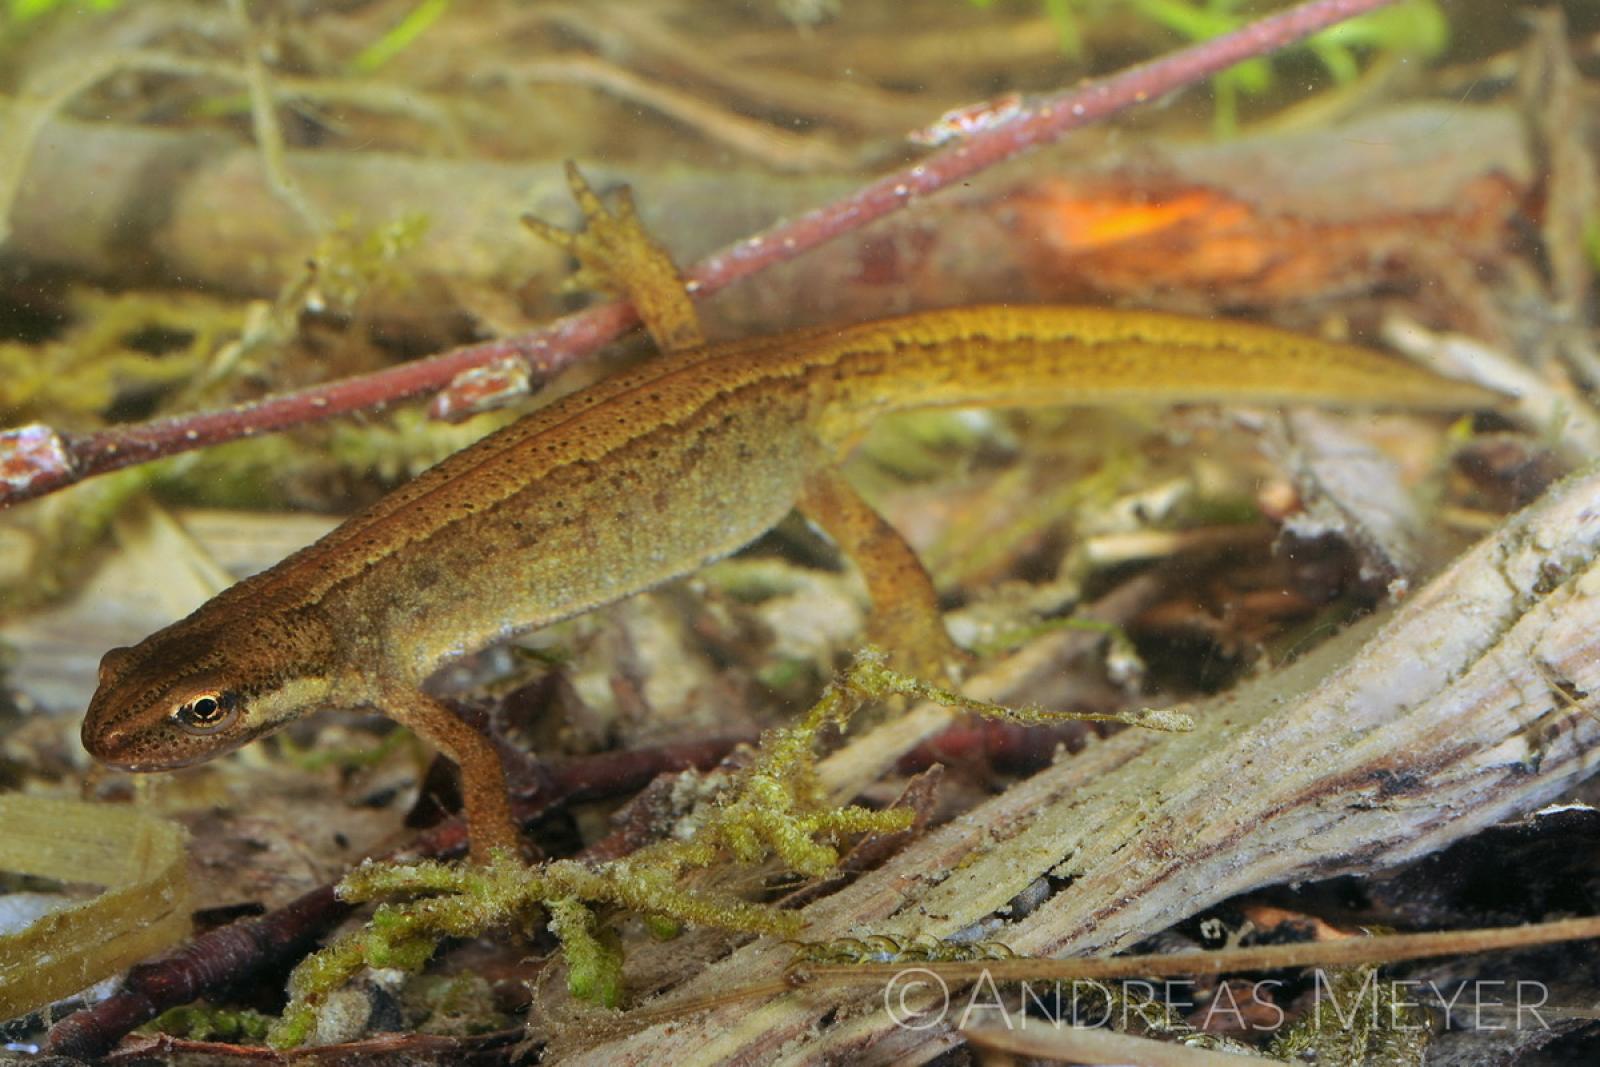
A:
(44, 97)
(852, 103)
(1347, 952)
(569, 340)
(264, 121)
(772, 146)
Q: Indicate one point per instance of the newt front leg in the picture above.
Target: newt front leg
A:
(484, 792)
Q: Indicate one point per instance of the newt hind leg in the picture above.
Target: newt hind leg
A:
(616, 254)
(906, 621)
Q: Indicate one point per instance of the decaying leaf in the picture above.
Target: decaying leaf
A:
(144, 908)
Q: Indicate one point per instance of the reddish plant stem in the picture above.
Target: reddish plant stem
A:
(229, 956)
(1003, 747)
(209, 964)
(1039, 121)
(551, 348)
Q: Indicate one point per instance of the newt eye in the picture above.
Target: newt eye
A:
(207, 712)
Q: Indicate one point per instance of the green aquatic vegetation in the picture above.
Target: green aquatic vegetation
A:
(408, 442)
(20, 11)
(1415, 27)
(122, 349)
(401, 36)
(127, 356)
(922, 445)
(1006, 640)
(349, 262)
(199, 1022)
(120, 355)
(1358, 1018)
(773, 810)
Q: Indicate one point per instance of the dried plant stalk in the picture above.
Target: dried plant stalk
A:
(1467, 704)
(139, 860)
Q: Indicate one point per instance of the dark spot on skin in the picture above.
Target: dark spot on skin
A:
(694, 455)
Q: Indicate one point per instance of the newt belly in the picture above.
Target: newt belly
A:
(647, 476)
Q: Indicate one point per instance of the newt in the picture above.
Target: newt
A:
(648, 475)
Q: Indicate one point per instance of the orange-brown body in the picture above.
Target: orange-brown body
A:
(647, 476)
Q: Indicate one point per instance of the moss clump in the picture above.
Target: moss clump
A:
(774, 809)
(1357, 1019)
(199, 1022)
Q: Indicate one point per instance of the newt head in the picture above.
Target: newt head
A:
(179, 697)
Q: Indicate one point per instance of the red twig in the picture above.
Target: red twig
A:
(210, 964)
(72, 458)
(229, 956)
